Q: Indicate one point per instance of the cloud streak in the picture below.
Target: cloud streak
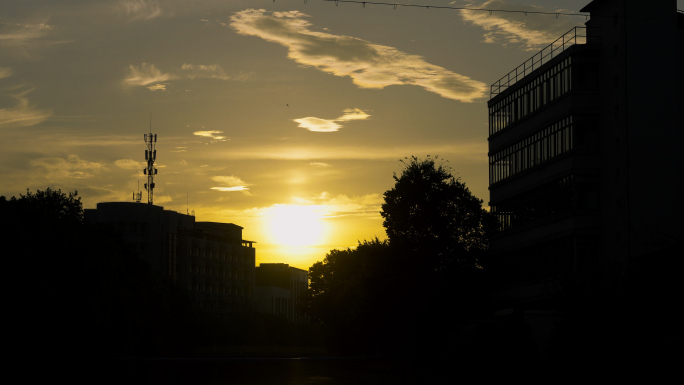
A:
(149, 76)
(232, 183)
(73, 167)
(22, 114)
(141, 9)
(331, 125)
(368, 65)
(515, 28)
(213, 135)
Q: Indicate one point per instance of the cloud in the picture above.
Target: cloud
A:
(55, 168)
(141, 9)
(319, 164)
(331, 125)
(213, 71)
(22, 114)
(465, 151)
(368, 65)
(21, 39)
(330, 206)
(318, 124)
(232, 183)
(147, 75)
(5, 72)
(157, 87)
(531, 32)
(353, 114)
(214, 135)
(129, 164)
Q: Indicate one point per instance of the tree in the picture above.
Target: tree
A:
(432, 215)
(403, 295)
(350, 292)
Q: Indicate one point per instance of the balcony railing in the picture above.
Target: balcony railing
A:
(577, 35)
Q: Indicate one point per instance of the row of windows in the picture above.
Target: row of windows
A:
(220, 289)
(532, 151)
(219, 272)
(224, 306)
(545, 202)
(573, 193)
(542, 90)
(220, 255)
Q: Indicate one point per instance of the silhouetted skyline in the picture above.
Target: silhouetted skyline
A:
(256, 125)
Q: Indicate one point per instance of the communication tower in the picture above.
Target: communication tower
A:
(137, 196)
(150, 157)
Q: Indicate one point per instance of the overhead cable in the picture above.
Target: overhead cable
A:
(396, 5)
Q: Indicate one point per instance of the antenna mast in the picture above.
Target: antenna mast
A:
(150, 157)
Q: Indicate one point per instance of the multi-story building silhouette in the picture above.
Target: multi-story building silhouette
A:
(210, 259)
(585, 148)
(279, 289)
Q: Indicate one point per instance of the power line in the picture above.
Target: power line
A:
(397, 5)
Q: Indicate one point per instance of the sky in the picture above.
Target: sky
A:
(286, 117)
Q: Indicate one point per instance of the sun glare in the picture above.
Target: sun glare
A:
(295, 225)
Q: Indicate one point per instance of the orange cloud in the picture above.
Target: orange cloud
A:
(368, 65)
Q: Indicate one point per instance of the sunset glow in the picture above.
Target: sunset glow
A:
(291, 225)
(284, 117)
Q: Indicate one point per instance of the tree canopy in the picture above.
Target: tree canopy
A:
(394, 295)
(432, 213)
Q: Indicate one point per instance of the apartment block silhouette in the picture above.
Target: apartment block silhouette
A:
(585, 154)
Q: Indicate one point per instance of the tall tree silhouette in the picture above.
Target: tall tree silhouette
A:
(397, 296)
(431, 213)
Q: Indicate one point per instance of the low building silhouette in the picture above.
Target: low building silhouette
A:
(279, 289)
(210, 259)
(585, 164)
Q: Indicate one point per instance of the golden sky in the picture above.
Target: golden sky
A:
(285, 117)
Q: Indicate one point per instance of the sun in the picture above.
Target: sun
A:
(295, 225)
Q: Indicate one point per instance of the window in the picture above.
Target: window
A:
(538, 92)
(538, 148)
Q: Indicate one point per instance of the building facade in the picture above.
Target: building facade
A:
(280, 289)
(585, 157)
(210, 259)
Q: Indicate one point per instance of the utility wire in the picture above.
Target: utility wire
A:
(396, 5)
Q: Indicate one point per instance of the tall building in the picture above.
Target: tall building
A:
(210, 259)
(585, 143)
(279, 289)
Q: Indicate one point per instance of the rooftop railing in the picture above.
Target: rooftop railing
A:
(577, 35)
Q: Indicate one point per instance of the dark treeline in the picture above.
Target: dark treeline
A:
(425, 293)
(76, 290)
(406, 295)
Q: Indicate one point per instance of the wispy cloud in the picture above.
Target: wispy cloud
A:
(149, 76)
(332, 206)
(73, 167)
(23, 39)
(213, 71)
(129, 164)
(531, 32)
(231, 183)
(22, 114)
(5, 72)
(465, 151)
(213, 135)
(141, 9)
(368, 65)
(331, 125)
